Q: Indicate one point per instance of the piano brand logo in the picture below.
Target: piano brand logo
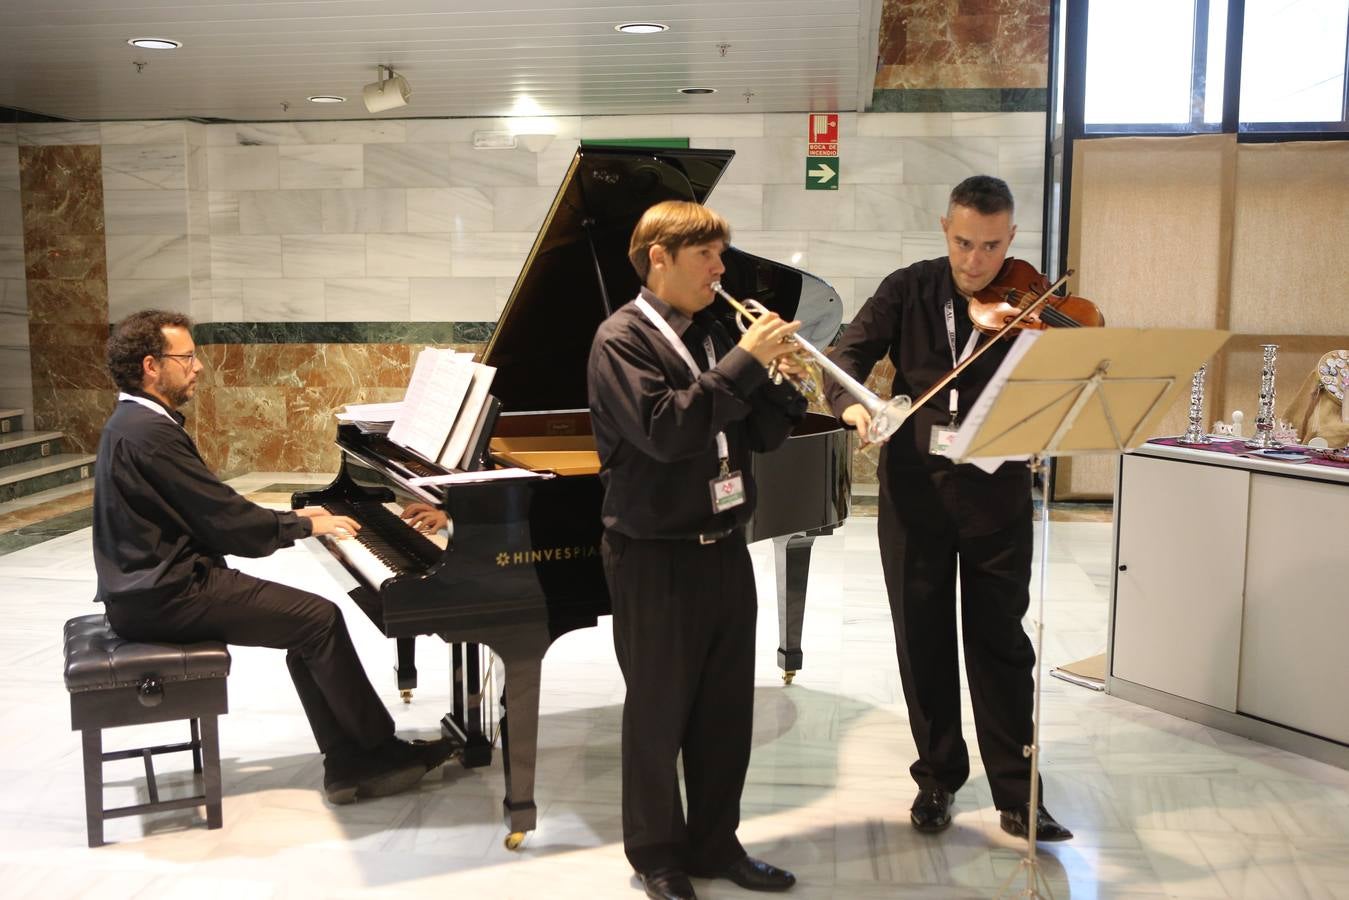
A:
(549, 554)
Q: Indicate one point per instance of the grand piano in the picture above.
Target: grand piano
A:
(521, 565)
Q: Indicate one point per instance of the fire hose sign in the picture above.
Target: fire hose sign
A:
(822, 168)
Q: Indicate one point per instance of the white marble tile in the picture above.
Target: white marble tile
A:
(1021, 160)
(872, 160)
(51, 133)
(365, 210)
(597, 127)
(555, 160)
(126, 295)
(920, 245)
(282, 299)
(323, 255)
(742, 205)
(243, 168)
(407, 165)
(489, 255)
(1029, 205)
(454, 299)
(11, 213)
(917, 124)
(408, 255)
(858, 253)
(449, 131)
(245, 256)
(254, 134)
(521, 208)
(333, 166)
(366, 299)
(793, 208)
(901, 207)
(9, 133)
(134, 167)
(446, 210)
(768, 160)
(227, 300)
(369, 132)
(477, 168)
(142, 132)
(948, 160)
(198, 213)
(11, 256)
(789, 247)
(147, 256)
(145, 212)
(719, 125)
(9, 167)
(280, 212)
(999, 124)
(223, 211)
(199, 257)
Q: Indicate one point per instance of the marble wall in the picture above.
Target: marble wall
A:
(66, 270)
(964, 44)
(16, 378)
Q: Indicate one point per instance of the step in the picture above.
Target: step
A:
(21, 479)
(10, 420)
(21, 446)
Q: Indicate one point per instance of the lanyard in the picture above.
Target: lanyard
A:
(148, 404)
(957, 360)
(723, 450)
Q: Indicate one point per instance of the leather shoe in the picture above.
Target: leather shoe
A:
(667, 884)
(931, 810)
(1013, 822)
(754, 875)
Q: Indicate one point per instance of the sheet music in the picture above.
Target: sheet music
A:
(457, 446)
(507, 474)
(960, 445)
(440, 379)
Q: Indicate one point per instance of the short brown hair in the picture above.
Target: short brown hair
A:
(674, 224)
(984, 194)
(137, 336)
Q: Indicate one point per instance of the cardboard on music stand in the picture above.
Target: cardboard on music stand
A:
(1066, 391)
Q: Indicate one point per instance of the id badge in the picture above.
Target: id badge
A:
(728, 491)
(942, 437)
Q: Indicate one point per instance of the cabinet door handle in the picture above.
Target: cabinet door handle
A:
(1124, 568)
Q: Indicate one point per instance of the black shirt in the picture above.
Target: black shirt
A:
(655, 425)
(159, 511)
(906, 320)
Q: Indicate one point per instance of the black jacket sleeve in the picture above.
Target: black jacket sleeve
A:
(867, 338)
(218, 517)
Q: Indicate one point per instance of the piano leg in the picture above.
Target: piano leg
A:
(465, 719)
(520, 744)
(791, 555)
(405, 669)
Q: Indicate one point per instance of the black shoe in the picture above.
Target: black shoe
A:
(754, 875)
(353, 775)
(667, 884)
(429, 753)
(931, 810)
(1013, 822)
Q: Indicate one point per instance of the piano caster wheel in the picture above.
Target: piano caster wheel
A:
(406, 695)
(514, 840)
(788, 675)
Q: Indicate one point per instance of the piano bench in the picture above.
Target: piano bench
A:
(115, 682)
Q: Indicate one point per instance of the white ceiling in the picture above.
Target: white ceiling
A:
(241, 60)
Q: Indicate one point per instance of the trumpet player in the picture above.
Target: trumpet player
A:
(677, 407)
(937, 519)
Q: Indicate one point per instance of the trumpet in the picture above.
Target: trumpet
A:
(886, 415)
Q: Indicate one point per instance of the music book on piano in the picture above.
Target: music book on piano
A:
(440, 381)
(457, 448)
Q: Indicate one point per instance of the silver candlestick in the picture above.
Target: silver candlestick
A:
(1194, 434)
(1264, 419)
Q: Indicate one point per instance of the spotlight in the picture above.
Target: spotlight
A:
(389, 92)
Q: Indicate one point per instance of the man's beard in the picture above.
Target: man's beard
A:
(179, 395)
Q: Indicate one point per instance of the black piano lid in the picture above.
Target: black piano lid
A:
(579, 263)
(578, 272)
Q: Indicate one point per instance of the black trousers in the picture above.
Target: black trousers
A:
(926, 523)
(226, 605)
(684, 616)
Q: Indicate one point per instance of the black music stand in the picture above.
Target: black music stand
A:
(1062, 392)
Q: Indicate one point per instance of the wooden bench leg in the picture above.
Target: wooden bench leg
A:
(93, 784)
(210, 752)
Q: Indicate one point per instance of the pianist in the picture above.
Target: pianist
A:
(677, 407)
(163, 524)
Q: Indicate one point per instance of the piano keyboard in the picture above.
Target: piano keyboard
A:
(384, 547)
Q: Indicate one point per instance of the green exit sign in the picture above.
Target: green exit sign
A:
(822, 173)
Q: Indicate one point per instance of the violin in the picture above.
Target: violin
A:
(1017, 286)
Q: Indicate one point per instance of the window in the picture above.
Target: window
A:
(1293, 61)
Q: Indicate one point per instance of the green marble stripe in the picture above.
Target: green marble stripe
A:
(45, 530)
(959, 100)
(27, 486)
(342, 332)
(27, 452)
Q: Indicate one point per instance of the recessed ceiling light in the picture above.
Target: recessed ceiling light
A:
(327, 98)
(697, 90)
(641, 28)
(155, 43)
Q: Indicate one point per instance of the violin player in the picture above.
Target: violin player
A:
(938, 519)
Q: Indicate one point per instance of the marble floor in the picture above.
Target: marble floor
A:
(1162, 807)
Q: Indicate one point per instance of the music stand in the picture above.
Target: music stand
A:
(1062, 392)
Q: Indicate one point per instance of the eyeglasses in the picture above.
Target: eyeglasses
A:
(188, 358)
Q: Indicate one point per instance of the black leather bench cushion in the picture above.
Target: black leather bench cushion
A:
(97, 659)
